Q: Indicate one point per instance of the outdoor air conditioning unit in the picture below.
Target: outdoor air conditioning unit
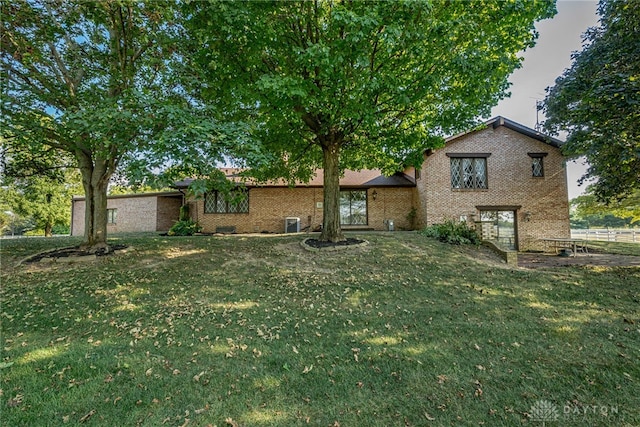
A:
(291, 225)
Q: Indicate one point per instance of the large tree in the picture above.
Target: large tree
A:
(626, 212)
(597, 101)
(42, 200)
(358, 84)
(97, 80)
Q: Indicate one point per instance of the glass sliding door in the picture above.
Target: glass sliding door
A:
(353, 207)
(499, 226)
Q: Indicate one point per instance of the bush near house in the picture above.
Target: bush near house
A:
(185, 227)
(452, 232)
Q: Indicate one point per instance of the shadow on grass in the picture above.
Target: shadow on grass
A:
(252, 331)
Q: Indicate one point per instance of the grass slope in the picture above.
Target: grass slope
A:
(255, 331)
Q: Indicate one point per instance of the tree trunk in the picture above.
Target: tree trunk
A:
(95, 179)
(331, 231)
(48, 229)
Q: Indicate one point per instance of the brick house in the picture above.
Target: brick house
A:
(368, 201)
(507, 180)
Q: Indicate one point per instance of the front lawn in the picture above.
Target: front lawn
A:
(255, 331)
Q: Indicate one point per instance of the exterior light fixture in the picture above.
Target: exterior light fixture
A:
(374, 194)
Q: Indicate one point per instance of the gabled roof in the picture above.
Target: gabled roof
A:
(517, 127)
(351, 179)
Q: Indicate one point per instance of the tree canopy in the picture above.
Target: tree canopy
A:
(355, 85)
(597, 101)
(103, 81)
(41, 200)
(590, 212)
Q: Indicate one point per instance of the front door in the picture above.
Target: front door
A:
(500, 227)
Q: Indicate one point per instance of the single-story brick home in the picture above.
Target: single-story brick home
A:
(506, 179)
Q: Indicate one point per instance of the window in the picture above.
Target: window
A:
(112, 216)
(537, 164)
(537, 167)
(235, 202)
(353, 207)
(468, 172)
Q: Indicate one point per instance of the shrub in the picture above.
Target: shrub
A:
(185, 227)
(184, 213)
(452, 232)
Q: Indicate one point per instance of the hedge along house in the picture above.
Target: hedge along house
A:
(507, 179)
(368, 201)
(133, 212)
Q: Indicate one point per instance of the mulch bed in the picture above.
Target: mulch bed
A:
(319, 244)
(74, 251)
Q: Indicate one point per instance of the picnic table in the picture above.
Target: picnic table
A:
(576, 245)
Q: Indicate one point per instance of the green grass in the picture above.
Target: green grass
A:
(255, 331)
(615, 248)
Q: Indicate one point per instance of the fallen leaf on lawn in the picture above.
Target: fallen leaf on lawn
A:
(307, 369)
(16, 401)
(89, 415)
(231, 423)
(429, 417)
(201, 410)
(295, 350)
(196, 378)
(480, 367)
(442, 379)
(148, 372)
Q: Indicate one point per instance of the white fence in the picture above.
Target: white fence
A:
(608, 235)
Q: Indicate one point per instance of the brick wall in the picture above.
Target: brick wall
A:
(77, 217)
(168, 212)
(269, 206)
(135, 213)
(391, 203)
(510, 183)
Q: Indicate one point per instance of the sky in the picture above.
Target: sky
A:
(547, 60)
